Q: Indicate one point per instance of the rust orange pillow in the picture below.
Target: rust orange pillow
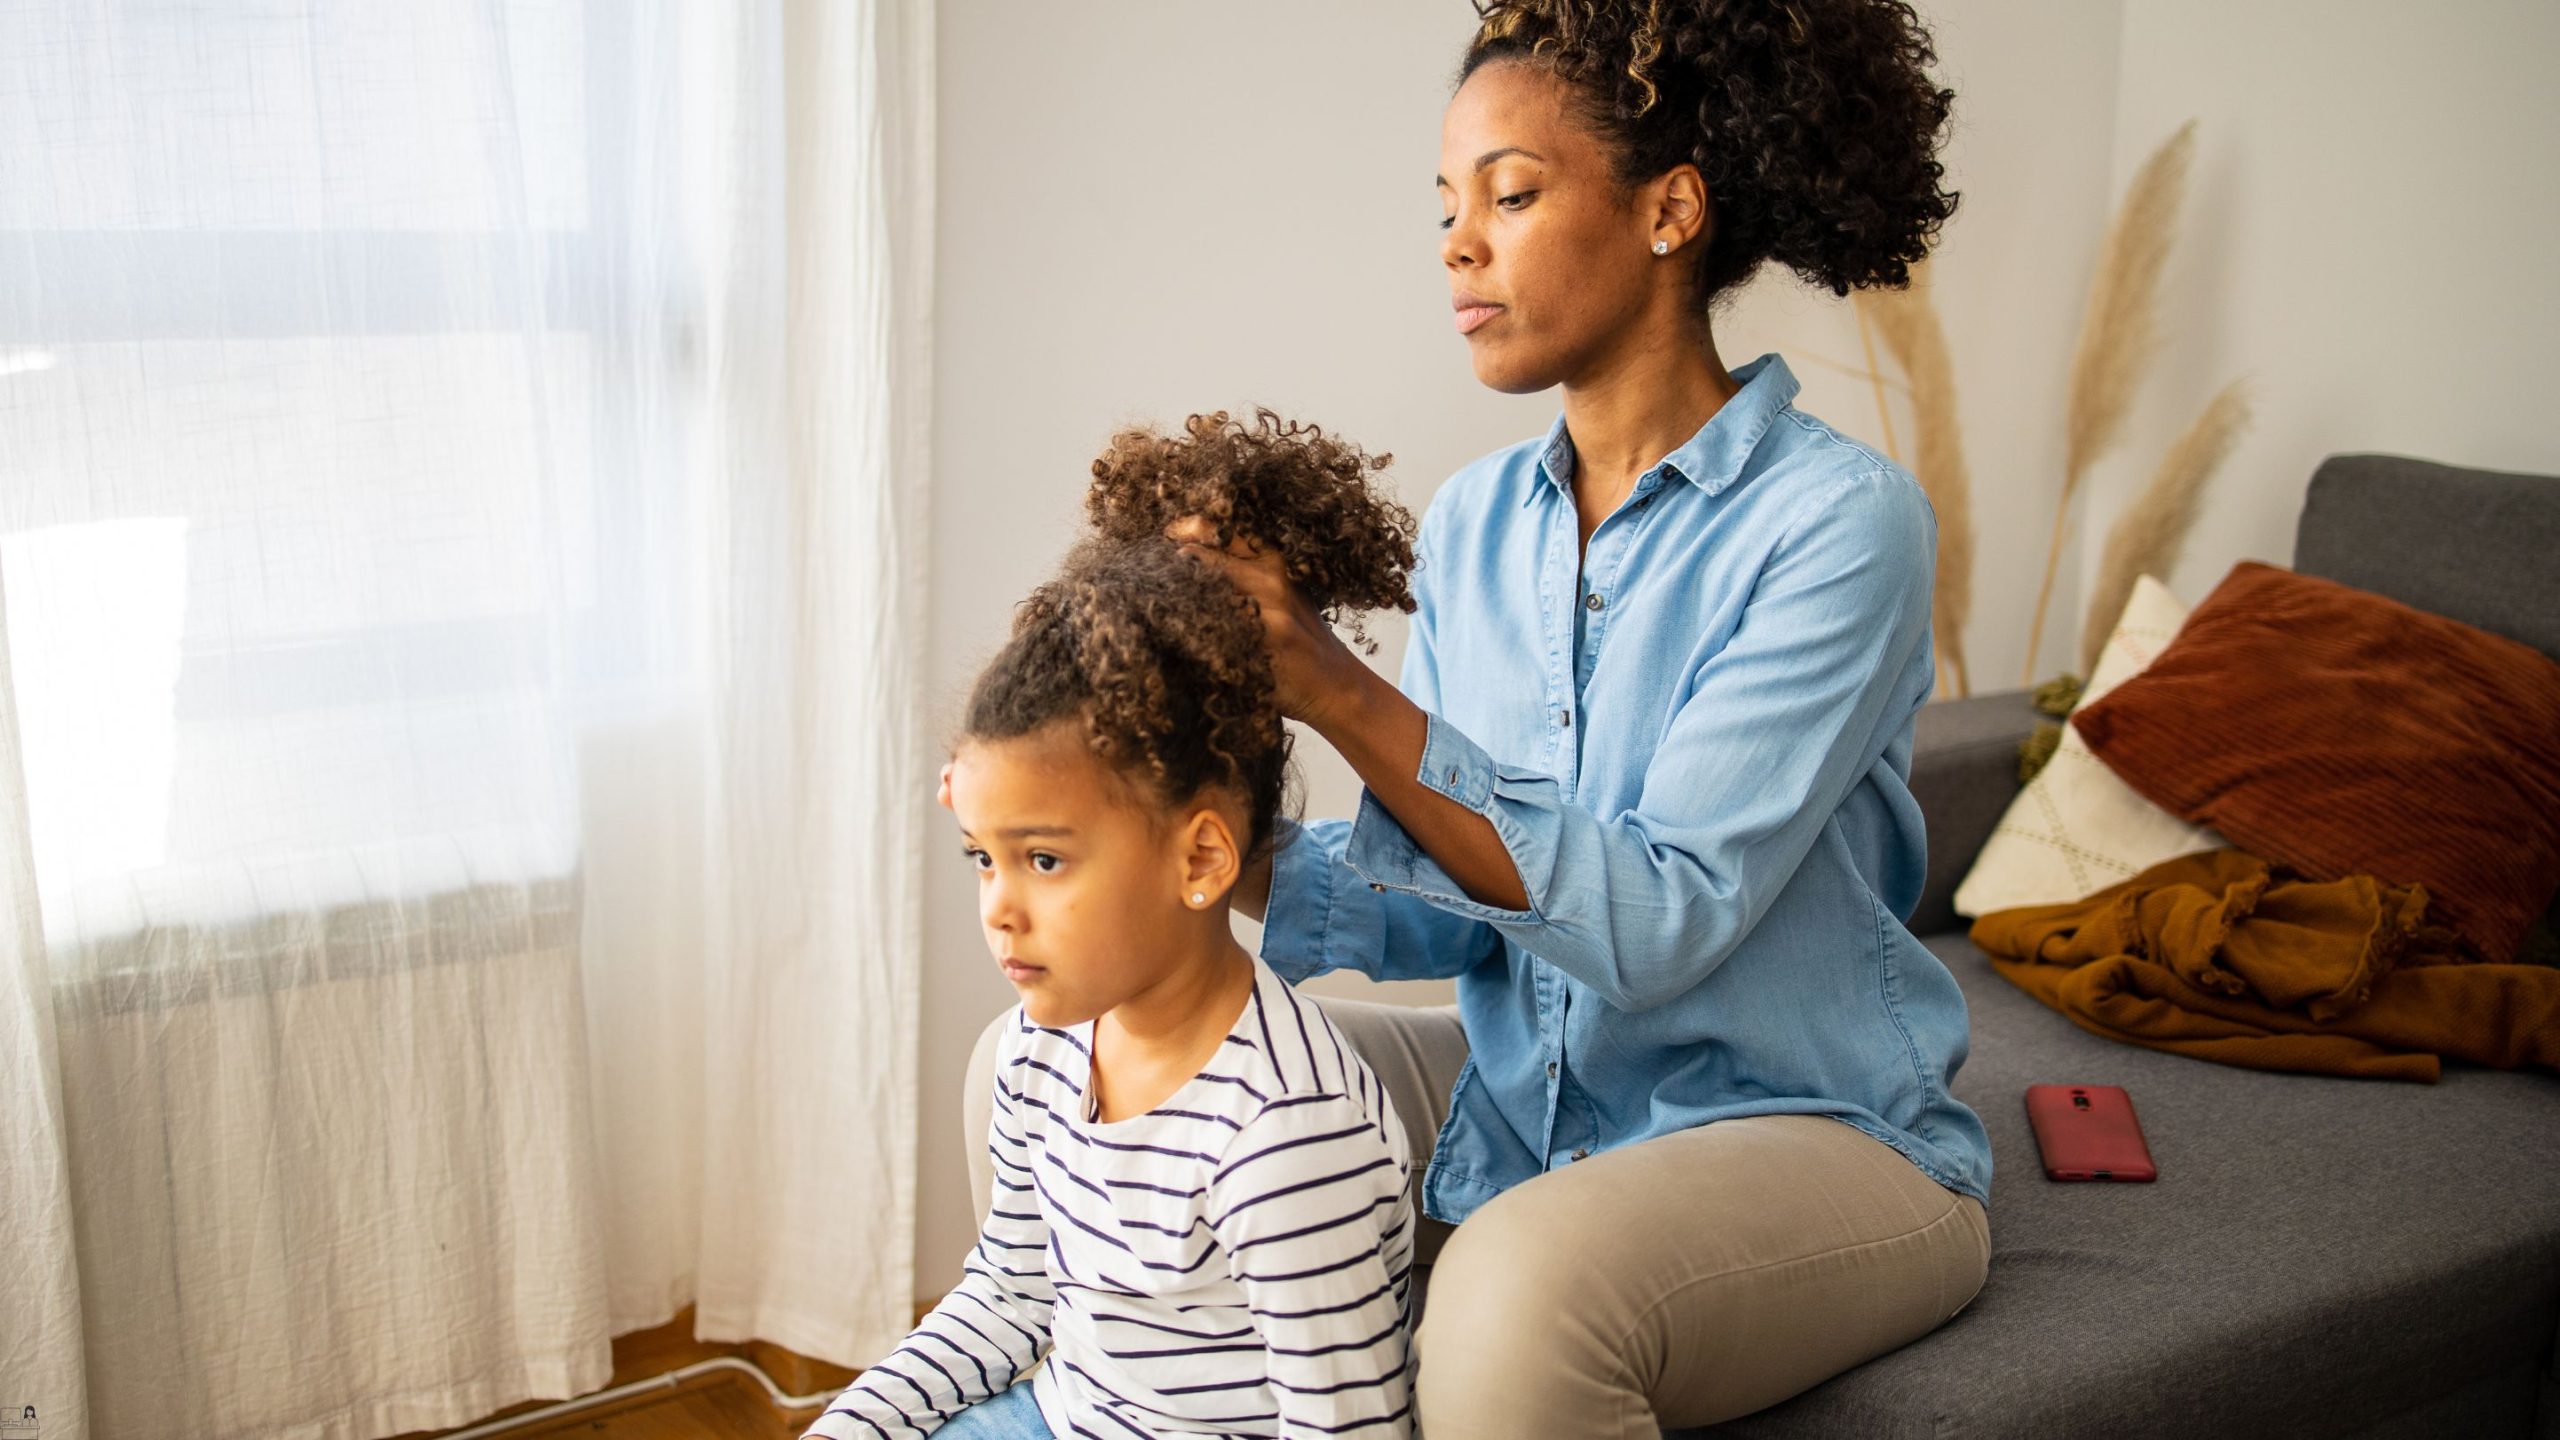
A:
(2339, 732)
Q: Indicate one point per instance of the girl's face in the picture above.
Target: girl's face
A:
(1536, 227)
(1084, 886)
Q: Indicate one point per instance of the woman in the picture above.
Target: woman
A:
(1641, 788)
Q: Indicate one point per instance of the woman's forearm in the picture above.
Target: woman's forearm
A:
(1382, 734)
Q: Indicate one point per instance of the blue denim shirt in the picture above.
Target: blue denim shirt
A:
(1695, 742)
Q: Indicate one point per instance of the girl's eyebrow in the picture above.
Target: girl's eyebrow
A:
(1035, 832)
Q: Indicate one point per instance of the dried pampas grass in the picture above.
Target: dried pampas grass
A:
(2147, 538)
(1908, 321)
(2121, 328)
(2117, 334)
(1874, 373)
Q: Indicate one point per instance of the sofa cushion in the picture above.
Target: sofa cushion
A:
(2317, 1256)
(2469, 545)
(2341, 732)
(2077, 828)
(2452, 541)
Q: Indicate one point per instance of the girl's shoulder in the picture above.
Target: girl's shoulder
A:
(1313, 1077)
(1296, 1049)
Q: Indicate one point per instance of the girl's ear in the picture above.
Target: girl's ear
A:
(1210, 859)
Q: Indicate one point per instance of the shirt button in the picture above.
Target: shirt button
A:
(1581, 1154)
(1453, 775)
(1593, 601)
(1568, 719)
(1551, 1069)
(1381, 889)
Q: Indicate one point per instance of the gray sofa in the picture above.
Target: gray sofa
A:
(2320, 1256)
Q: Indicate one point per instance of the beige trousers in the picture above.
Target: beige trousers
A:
(1685, 1280)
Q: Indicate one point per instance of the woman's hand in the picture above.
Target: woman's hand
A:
(1317, 676)
(1364, 717)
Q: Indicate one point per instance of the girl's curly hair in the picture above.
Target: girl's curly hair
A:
(1814, 122)
(1277, 484)
(1159, 655)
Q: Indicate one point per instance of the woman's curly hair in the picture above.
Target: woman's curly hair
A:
(1814, 122)
(1159, 655)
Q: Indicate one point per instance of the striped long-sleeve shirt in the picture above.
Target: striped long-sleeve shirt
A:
(1235, 1261)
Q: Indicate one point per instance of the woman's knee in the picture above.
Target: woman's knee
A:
(1522, 1333)
(1516, 1282)
(1521, 1254)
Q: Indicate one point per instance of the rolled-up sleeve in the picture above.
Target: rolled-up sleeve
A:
(1326, 915)
(1776, 727)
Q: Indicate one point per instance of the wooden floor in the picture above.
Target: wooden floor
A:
(722, 1405)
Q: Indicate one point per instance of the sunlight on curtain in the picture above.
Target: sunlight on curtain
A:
(459, 599)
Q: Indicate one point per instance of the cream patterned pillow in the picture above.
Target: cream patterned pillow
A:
(2076, 829)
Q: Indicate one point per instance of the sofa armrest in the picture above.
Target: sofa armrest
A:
(1964, 773)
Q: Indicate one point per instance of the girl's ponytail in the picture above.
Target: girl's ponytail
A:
(1160, 656)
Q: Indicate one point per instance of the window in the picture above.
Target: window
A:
(343, 438)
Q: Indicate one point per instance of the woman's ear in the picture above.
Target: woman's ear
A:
(1682, 211)
(1209, 858)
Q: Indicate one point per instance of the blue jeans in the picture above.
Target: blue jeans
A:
(1008, 1415)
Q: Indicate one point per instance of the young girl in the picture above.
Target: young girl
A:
(1201, 1210)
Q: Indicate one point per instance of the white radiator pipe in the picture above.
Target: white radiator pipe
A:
(667, 1381)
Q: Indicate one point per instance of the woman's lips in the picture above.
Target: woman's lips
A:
(1474, 316)
(1018, 972)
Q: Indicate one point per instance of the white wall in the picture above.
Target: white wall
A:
(2369, 237)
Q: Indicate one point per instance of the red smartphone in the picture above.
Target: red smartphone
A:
(2087, 1132)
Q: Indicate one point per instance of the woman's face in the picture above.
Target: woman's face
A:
(1536, 228)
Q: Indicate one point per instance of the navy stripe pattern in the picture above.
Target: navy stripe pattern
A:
(1236, 1261)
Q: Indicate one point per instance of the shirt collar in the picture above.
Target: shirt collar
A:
(1711, 459)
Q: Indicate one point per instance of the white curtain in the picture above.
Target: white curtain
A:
(461, 519)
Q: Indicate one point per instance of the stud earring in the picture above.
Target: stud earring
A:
(1661, 247)
(1199, 898)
